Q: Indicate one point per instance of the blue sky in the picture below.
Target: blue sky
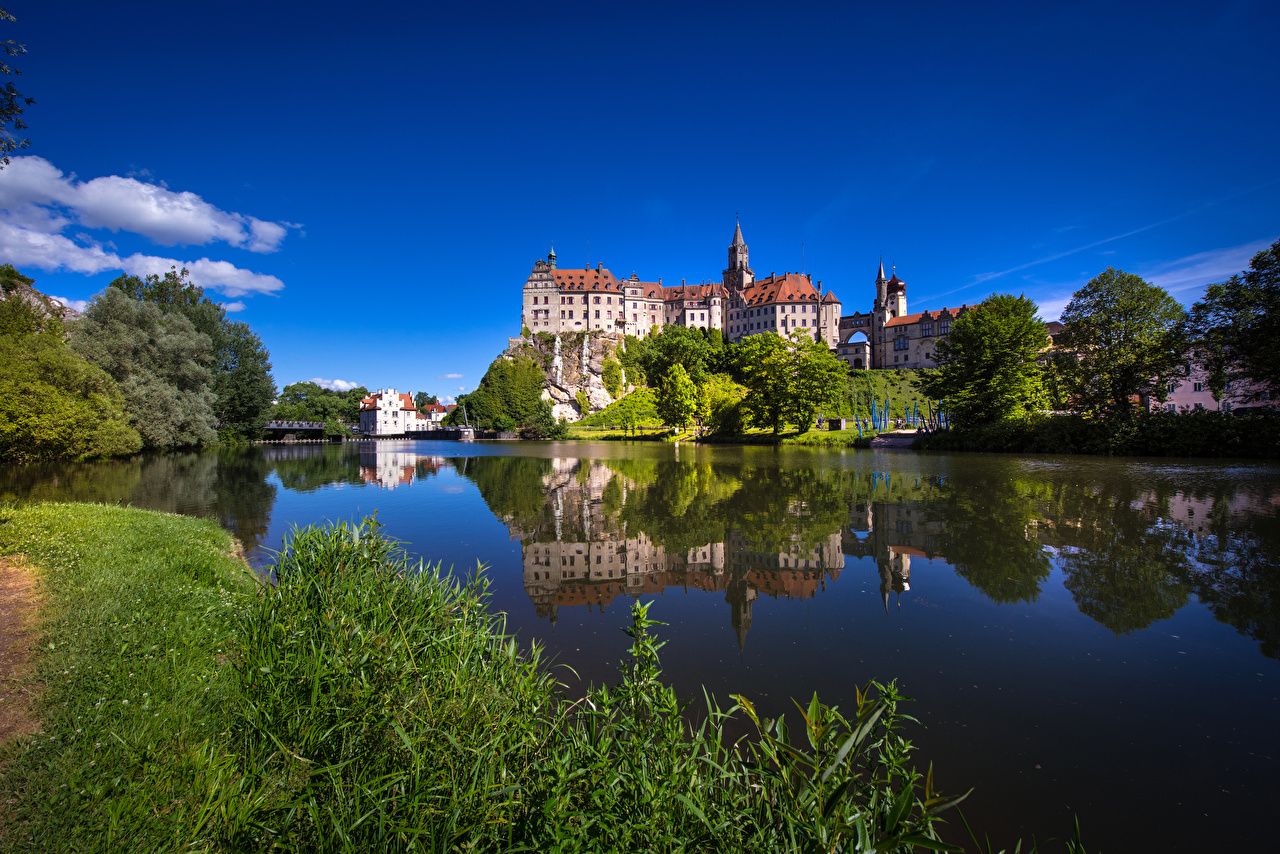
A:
(371, 183)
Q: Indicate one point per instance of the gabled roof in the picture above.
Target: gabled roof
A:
(373, 402)
(908, 319)
(587, 279)
(788, 287)
(676, 293)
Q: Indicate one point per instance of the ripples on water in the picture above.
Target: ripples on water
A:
(1082, 635)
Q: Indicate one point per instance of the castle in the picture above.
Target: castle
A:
(561, 300)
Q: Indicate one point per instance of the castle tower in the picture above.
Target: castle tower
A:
(891, 302)
(738, 274)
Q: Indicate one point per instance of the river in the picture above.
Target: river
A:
(1081, 636)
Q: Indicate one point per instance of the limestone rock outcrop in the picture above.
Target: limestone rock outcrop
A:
(574, 367)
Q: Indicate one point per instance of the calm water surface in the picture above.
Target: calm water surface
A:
(1081, 636)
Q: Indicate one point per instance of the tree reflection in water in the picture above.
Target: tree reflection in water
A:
(594, 530)
(1133, 541)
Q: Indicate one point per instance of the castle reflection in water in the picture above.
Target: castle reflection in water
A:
(592, 531)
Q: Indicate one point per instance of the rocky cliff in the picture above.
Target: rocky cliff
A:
(575, 368)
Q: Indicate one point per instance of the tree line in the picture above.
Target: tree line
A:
(151, 364)
(1124, 341)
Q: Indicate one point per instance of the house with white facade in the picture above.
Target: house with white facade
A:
(388, 412)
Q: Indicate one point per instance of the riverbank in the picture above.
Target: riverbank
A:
(1155, 434)
(368, 703)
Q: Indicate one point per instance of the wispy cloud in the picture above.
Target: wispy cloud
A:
(1184, 277)
(233, 307)
(334, 385)
(452, 377)
(1193, 272)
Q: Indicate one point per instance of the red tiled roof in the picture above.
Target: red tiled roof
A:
(908, 319)
(370, 403)
(686, 292)
(789, 287)
(587, 279)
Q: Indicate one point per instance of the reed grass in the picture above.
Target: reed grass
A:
(357, 701)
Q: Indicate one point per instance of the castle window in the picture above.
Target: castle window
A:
(926, 328)
(944, 326)
(597, 300)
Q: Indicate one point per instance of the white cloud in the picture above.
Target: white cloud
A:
(36, 194)
(29, 247)
(334, 385)
(77, 305)
(232, 307)
(453, 376)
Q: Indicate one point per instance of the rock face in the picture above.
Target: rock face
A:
(15, 286)
(574, 365)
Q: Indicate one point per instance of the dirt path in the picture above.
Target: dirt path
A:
(19, 600)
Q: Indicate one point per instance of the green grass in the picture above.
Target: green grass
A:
(364, 702)
(832, 439)
(138, 620)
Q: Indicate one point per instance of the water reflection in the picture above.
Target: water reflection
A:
(1131, 553)
(1133, 543)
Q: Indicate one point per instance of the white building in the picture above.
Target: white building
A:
(388, 412)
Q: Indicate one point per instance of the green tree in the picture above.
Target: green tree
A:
(988, 367)
(242, 383)
(306, 401)
(509, 396)
(788, 379)
(764, 366)
(243, 387)
(679, 345)
(677, 397)
(161, 362)
(1234, 329)
(720, 404)
(424, 401)
(817, 379)
(53, 403)
(1119, 341)
(12, 102)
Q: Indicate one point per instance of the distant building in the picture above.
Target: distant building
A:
(1192, 394)
(589, 299)
(388, 412)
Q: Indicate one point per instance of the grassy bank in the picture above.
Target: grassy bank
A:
(139, 616)
(365, 703)
(1157, 434)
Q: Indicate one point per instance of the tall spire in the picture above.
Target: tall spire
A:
(880, 277)
(737, 234)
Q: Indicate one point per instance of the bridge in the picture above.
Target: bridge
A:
(296, 429)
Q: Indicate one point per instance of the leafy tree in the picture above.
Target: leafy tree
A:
(423, 401)
(509, 396)
(764, 367)
(53, 403)
(1119, 341)
(243, 386)
(788, 379)
(306, 401)
(1234, 329)
(23, 309)
(12, 102)
(161, 362)
(818, 379)
(242, 383)
(720, 404)
(987, 367)
(677, 397)
(679, 345)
